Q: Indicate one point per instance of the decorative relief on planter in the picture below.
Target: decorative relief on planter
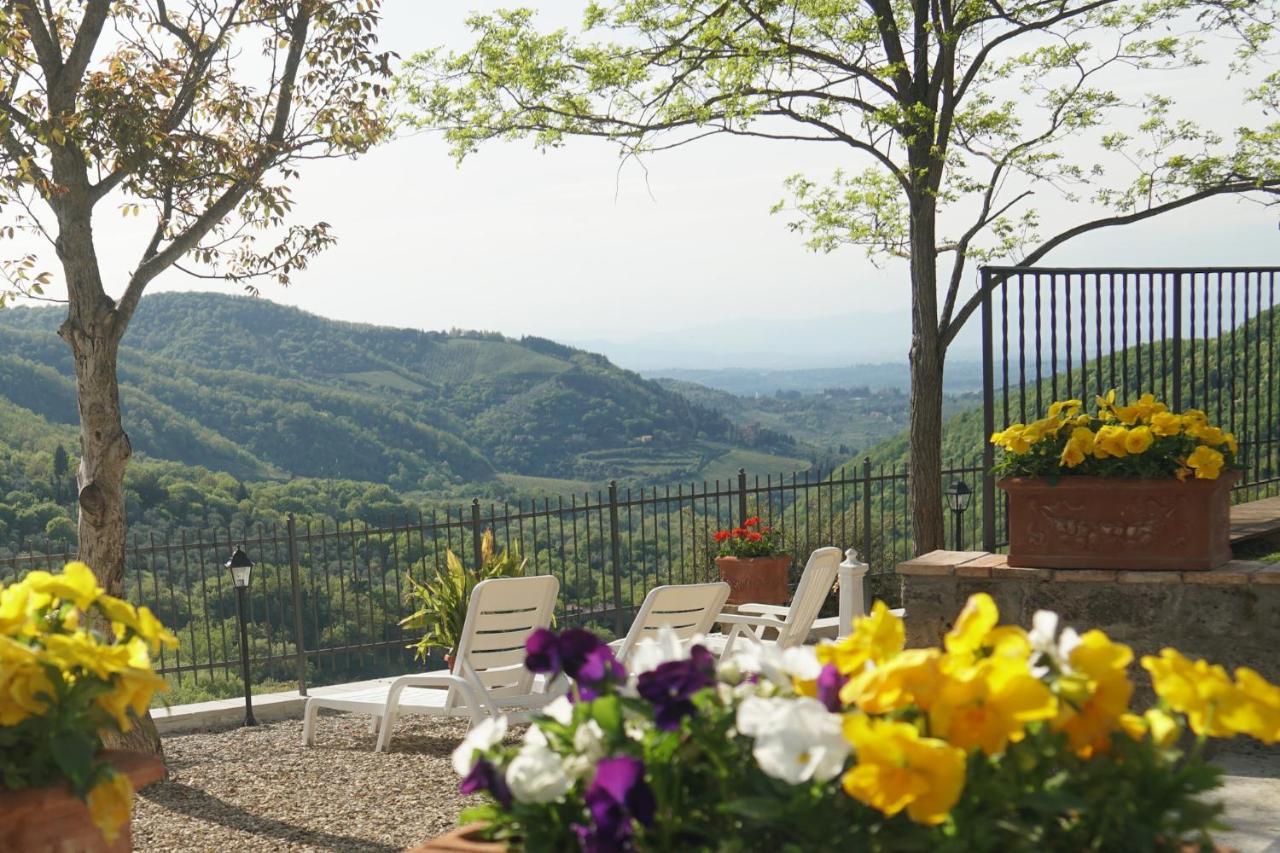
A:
(1107, 523)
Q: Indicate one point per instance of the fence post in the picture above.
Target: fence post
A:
(476, 547)
(866, 510)
(299, 641)
(988, 419)
(615, 547)
(742, 496)
(1177, 341)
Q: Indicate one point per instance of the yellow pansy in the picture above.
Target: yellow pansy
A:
(1096, 694)
(875, 638)
(1065, 408)
(18, 606)
(975, 634)
(1194, 419)
(1084, 420)
(1206, 462)
(1166, 423)
(1106, 402)
(1201, 690)
(81, 651)
(132, 692)
(1078, 446)
(988, 706)
(1138, 439)
(1012, 439)
(1259, 714)
(1110, 441)
(110, 802)
(76, 583)
(897, 769)
(1229, 439)
(25, 691)
(911, 677)
(1163, 728)
(1143, 410)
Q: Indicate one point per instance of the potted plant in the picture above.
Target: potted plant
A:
(442, 601)
(751, 561)
(1002, 739)
(74, 662)
(1124, 487)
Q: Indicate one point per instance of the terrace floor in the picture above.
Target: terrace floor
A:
(260, 789)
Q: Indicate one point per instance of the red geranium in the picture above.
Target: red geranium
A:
(750, 540)
(722, 535)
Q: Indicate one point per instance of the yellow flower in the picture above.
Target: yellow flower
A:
(898, 769)
(910, 678)
(975, 634)
(1096, 694)
(1065, 408)
(1037, 430)
(1259, 715)
(1200, 690)
(1084, 420)
(1206, 462)
(80, 650)
(989, 705)
(76, 584)
(1230, 440)
(132, 692)
(1110, 441)
(18, 606)
(1106, 403)
(1012, 439)
(875, 638)
(1078, 446)
(25, 691)
(1194, 419)
(110, 802)
(1163, 728)
(1143, 410)
(1138, 439)
(1166, 423)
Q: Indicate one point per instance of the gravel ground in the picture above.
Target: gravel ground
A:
(260, 789)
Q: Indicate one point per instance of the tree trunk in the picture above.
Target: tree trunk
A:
(924, 472)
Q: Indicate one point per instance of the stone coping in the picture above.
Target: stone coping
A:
(980, 564)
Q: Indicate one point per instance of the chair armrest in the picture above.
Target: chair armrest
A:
(440, 680)
(743, 619)
(765, 609)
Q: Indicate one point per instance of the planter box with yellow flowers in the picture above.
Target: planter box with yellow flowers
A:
(63, 682)
(1128, 487)
(1000, 740)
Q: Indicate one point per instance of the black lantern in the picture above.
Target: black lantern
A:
(958, 496)
(241, 568)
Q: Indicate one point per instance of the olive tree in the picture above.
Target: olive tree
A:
(193, 116)
(956, 115)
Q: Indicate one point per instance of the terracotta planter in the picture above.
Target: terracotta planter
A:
(54, 820)
(756, 580)
(464, 839)
(1112, 523)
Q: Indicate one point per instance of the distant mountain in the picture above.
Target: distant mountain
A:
(260, 390)
(961, 376)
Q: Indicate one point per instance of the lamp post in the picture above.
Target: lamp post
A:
(241, 567)
(958, 496)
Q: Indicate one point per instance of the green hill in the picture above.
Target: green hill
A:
(264, 391)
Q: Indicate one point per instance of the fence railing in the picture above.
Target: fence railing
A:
(1196, 337)
(325, 598)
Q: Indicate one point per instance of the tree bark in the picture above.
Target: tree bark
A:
(924, 471)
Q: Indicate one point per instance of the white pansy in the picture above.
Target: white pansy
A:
(537, 774)
(486, 734)
(779, 665)
(756, 714)
(588, 740)
(1048, 645)
(559, 709)
(802, 741)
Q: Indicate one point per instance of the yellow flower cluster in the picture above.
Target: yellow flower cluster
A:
(1117, 432)
(48, 651)
(914, 716)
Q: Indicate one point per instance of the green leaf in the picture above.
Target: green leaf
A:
(73, 753)
(607, 712)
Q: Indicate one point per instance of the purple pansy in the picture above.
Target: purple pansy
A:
(671, 685)
(617, 794)
(484, 776)
(577, 653)
(829, 683)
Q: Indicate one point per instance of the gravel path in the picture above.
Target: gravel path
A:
(260, 789)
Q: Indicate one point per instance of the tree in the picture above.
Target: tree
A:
(955, 112)
(195, 115)
(60, 468)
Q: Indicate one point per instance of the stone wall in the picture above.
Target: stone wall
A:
(1229, 615)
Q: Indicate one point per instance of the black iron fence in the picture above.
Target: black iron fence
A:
(1196, 337)
(325, 598)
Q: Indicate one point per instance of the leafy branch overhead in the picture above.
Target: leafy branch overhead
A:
(978, 105)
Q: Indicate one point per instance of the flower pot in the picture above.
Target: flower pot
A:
(756, 580)
(464, 839)
(1112, 523)
(54, 820)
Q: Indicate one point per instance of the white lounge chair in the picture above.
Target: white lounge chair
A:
(489, 677)
(791, 624)
(688, 609)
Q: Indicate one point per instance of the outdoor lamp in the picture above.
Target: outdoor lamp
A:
(241, 567)
(958, 496)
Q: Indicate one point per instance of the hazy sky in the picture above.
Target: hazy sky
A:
(683, 266)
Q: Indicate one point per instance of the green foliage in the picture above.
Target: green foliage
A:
(443, 600)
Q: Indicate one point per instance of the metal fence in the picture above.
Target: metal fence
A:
(1195, 337)
(325, 598)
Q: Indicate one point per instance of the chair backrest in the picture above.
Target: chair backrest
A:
(688, 609)
(501, 615)
(815, 584)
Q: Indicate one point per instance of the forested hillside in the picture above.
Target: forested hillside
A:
(263, 391)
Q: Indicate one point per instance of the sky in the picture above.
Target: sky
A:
(679, 264)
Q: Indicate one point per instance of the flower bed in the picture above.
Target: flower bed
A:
(1002, 739)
